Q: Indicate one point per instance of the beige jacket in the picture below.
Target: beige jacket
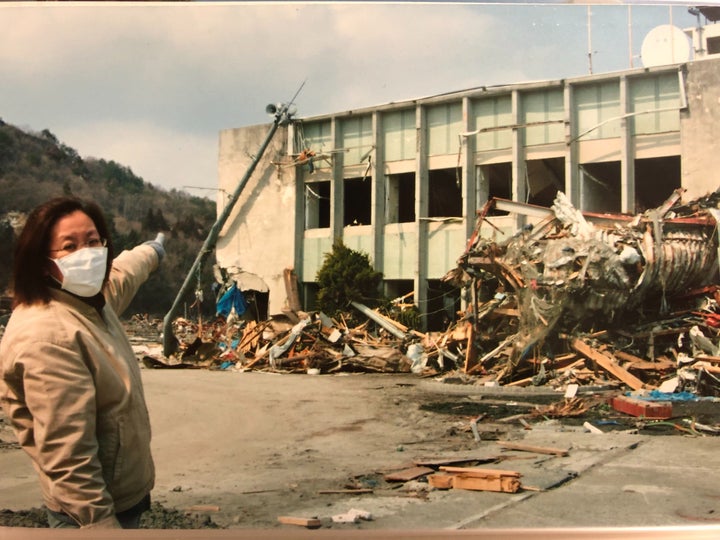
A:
(71, 388)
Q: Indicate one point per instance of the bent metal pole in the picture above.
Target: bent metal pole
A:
(170, 342)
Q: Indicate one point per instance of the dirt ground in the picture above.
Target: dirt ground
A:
(240, 449)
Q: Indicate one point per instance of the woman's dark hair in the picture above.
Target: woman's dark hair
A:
(31, 265)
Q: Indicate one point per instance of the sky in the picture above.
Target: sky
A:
(151, 85)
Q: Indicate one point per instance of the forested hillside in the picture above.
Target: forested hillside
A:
(35, 167)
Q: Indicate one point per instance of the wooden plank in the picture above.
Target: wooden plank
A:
(408, 474)
(502, 483)
(507, 312)
(477, 472)
(345, 491)
(437, 462)
(441, 481)
(471, 350)
(609, 364)
(291, 290)
(536, 449)
(473, 478)
(310, 523)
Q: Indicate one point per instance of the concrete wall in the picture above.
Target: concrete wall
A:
(259, 235)
(700, 129)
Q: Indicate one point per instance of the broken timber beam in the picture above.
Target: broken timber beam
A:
(310, 523)
(382, 321)
(476, 479)
(608, 363)
(535, 449)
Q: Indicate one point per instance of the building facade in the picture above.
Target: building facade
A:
(403, 182)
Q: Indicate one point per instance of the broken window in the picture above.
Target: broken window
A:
(491, 113)
(445, 194)
(494, 180)
(309, 295)
(399, 289)
(444, 124)
(317, 205)
(545, 178)
(713, 45)
(315, 137)
(654, 179)
(443, 303)
(400, 198)
(357, 140)
(400, 135)
(357, 201)
(600, 187)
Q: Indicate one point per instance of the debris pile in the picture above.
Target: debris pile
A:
(583, 297)
(288, 343)
(575, 299)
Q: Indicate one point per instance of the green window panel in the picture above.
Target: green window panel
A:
(544, 106)
(317, 136)
(652, 93)
(598, 103)
(493, 113)
(399, 135)
(443, 246)
(356, 139)
(444, 125)
(314, 250)
(359, 242)
(399, 255)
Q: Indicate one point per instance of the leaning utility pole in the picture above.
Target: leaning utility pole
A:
(282, 116)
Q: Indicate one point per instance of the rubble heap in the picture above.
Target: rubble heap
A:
(633, 295)
(575, 299)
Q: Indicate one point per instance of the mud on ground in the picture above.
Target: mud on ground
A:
(267, 452)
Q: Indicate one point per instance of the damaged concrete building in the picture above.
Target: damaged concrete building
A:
(404, 181)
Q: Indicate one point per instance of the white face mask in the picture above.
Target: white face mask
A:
(83, 271)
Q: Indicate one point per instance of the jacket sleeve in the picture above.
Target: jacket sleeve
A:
(129, 271)
(57, 428)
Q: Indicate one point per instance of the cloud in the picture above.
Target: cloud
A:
(164, 157)
(142, 83)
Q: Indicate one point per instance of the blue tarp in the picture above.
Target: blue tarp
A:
(656, 395)
(233, 298)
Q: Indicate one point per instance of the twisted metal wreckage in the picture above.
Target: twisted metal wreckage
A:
(610, 287)
(634, 295)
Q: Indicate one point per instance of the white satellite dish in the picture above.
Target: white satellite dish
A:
(665, 44)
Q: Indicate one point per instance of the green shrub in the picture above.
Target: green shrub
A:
(346, 276)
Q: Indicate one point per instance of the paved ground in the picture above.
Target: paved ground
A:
(245, 448)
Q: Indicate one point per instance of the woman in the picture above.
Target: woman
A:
(70, 383)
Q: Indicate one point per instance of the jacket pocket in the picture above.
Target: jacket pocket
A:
(110, 442)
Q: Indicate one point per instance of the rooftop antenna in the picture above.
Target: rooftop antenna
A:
(589, 33)
(630, 43)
